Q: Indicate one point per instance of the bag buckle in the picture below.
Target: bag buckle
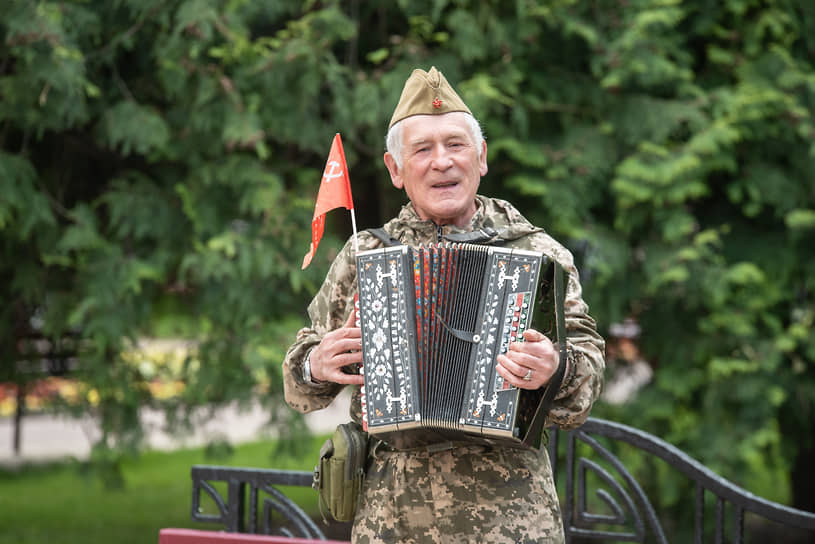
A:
(315, 480)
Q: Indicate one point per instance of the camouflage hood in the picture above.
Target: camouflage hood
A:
(490, 212)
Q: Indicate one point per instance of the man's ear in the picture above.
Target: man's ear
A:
(482, 162)
(393, 170)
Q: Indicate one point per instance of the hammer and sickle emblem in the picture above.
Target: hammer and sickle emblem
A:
(333, 170)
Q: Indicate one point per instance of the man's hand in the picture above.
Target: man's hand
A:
(339, 348)
(529, 364)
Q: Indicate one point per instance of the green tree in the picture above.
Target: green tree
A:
(163, 156)
(144, 170)
(675, 139)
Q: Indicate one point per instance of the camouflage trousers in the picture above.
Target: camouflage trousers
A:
(467, 494)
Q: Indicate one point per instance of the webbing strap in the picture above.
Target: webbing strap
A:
(384, 237)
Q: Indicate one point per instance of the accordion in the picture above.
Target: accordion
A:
(433, 321)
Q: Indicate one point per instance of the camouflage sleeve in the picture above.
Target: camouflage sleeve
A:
(584, 376)
(328, 311)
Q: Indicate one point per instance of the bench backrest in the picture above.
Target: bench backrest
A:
(601, 497)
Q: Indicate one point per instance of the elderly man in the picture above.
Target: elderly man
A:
(417, 490)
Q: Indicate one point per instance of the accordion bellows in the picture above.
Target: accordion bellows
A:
(433, 321)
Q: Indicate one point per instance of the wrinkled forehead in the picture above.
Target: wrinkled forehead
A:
(418, 128)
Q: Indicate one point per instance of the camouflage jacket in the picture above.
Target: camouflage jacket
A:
(333, 303)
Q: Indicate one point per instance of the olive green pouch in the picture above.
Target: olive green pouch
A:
(340, 471)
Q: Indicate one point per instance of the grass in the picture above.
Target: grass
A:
(60, 503)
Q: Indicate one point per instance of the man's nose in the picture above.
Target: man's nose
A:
(441, 159)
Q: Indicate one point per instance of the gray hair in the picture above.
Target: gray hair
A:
(393, 141)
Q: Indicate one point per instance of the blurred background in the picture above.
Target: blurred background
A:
(159, 162)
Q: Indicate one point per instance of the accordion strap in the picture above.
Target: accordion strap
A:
(465, 336)
(536, 426)
(384, 237)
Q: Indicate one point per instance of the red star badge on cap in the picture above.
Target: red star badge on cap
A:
(436, 103)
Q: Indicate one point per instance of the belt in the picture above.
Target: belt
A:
(436, 447)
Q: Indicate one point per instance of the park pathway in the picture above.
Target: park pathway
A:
(46, 437)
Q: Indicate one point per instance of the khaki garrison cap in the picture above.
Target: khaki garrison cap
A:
(427, 93)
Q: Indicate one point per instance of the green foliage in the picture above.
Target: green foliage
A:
(65, 502)
(166, 155)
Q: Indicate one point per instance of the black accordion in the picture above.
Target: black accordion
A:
(433, 321)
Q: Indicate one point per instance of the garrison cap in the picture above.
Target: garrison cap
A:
(427, 93)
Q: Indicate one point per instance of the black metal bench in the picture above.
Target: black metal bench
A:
(601, 499)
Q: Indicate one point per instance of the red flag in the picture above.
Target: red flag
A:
(335, 192)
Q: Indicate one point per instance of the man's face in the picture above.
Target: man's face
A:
(441, 168)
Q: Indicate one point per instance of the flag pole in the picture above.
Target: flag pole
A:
(354, 228)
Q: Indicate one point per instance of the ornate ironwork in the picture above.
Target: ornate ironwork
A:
(232, 510)
(632, 517)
